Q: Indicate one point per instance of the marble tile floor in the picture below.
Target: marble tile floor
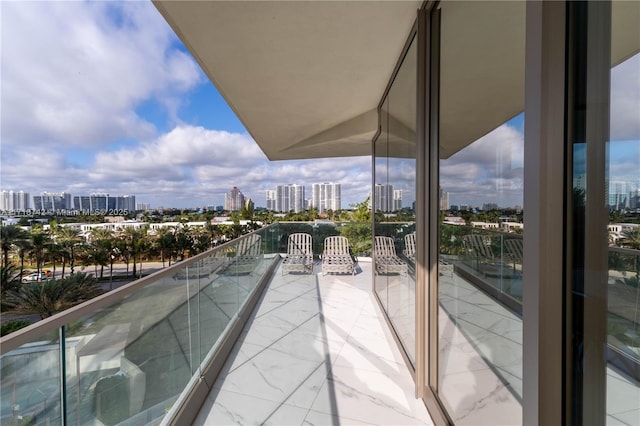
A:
(480, 358)
(317, 351)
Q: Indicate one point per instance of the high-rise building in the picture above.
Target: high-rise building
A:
(383, 197)
(13, 201)
(397, 199)
(326, 196)
(271, 199)
(444, 200)
(105, 203)
(289, 197)
(52, 201)
(234, 199)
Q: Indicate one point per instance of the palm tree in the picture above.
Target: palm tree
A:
(163, 241)
(135, 241)
(68, 238)
(182, 241)
(24, 246)
(10, 279)
(101, 242)
(200, 241)
(39, 242)
(10, 235)
(49, 297)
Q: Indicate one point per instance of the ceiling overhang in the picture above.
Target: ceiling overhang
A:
(304, 77)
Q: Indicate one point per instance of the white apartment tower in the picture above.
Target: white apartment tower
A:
(289, 197)
(397, 199)
(383, 197)
(271, 199)
(444, 200)
(325, 196)
(12, 201)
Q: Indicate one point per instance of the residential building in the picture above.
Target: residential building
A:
(234, 200)
(271, 199)
(104, 203)
(52, 201)
(397, 199)
(14, 201)
(326, 196)
(383, 198)
(444, 200)
(290, 197)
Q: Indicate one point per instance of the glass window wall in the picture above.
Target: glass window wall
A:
(394, 203)
(604, 249)
(481, 163)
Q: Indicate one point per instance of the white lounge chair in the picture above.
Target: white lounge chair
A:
(299, 257)
(336, 256)
(410, 246)
(385, 258)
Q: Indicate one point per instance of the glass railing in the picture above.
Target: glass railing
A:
(624, 309)
(492, 261)
(132, 355)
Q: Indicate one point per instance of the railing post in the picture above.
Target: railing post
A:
(63, 375)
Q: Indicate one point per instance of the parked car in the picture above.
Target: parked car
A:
(35, 277)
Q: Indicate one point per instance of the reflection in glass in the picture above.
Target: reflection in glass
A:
(481, 151)
(393, 201)
(623, 201)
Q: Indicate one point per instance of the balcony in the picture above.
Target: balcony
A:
(227, 326)
(227, 337)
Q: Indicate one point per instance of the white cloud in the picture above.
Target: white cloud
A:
(74, 72)
(625, 100)
(185, 167)
(490, 170)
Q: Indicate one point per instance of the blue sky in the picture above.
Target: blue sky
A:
(103, 97)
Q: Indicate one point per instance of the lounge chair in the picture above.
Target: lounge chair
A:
(410, 246)
(385, 258)
(336, 256)
(299, 257)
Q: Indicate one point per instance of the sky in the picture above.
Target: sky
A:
(103, 97)
(114, 103)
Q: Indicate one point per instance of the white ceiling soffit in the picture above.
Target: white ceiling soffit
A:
(304, 77)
